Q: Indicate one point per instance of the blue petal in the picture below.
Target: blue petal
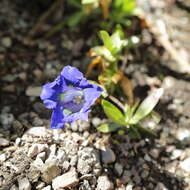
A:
(90, 96)
(72, 74)
(76, 116)
(50, 104)
(57, 118)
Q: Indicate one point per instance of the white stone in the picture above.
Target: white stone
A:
(14, 187)
(104, 183)
(4, 142)
(68, 179)
(2, 157)
(37, 148)
(47, 188)
(185, 165)
(176, 154)
(40, 132)
(24, 184)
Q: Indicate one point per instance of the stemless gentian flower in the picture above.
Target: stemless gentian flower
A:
(70, 96)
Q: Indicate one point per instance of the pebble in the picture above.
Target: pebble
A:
(4, 142)
(129, 187)
(160, 186)
(6, 42)
(24, 184)
(104, 183)
(37, 148)
(47, 188)
(87, 158)
(96, 121)
(83, 125)
(6, 119)
(14, 187)
(41, 132)
(185, 165)
(3, 157)
(118, 168)
(34, 91)
(108, 156)
(68, 179)
(176, 154)
(50, 170)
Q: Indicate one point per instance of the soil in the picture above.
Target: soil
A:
(148, 164)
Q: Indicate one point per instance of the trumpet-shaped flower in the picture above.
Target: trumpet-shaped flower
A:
(70, 96)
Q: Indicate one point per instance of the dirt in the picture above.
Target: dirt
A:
(157, 163)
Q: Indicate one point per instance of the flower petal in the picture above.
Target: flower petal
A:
(76, 116)
(72, 74)
(90, 96)
(50, 104)
(57, 118)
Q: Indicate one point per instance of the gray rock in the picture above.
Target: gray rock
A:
(49, 171)
(108, 156)
(4, 142)
(104, 183)
(6, 42)
(118, 168)
(69, 179)
(6, 119)
(34, 91)
(3, 157)
(24, 184)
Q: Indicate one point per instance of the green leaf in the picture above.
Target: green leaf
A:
(113, 113)
(146, 106)
(134, 133)
(106, 39)
(104, 52)
(108, 127)
(75, 19)
(144, 130)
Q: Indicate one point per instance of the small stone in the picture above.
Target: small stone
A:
(40, 132)
(14, 187)
(83, 125)
(24, 184)
(4, 142)
(40, 185)
(145, 174)
(6, 119)
(129, 187)
(104, 183)
(37, 148)
(182, 134)
(118, 168)
(160, 186)
(17, 141)
(47, 188)
(74, 126)
(185, 165)
(42, 156)
(49, 171)
(147, 157)
(176, 154)
(6, 42)
(87, 159)
(68, 179)
(33, 91)
(108, 156)
(3, 157)
(96, 121)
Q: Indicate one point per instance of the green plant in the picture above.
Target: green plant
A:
(131, 116)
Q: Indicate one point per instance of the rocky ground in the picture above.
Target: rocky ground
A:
(32, 156)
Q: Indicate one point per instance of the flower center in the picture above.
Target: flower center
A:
(72, 100)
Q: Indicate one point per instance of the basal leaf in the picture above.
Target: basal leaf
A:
(108, 127)
(147, 106)
(113, 113)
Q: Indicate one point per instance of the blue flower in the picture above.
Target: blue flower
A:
(70, 96)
